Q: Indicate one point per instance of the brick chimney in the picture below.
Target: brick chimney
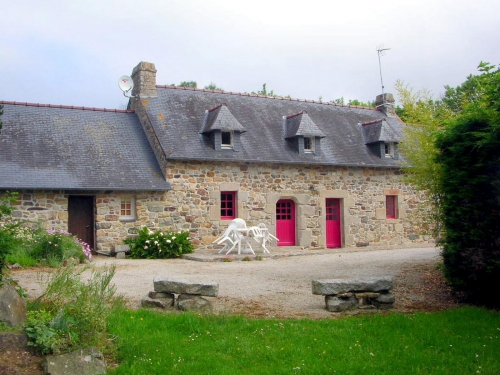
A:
(385, 103)
(144, 77)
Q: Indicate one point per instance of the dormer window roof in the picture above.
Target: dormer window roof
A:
(222, 129)
(379, 131)
(300, 124)
(381, 138)
(302, 134)
(221, 118)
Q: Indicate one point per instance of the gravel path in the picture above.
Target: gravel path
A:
(278, 287)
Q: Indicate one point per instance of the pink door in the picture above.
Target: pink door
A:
(285, 222)
(333, 233)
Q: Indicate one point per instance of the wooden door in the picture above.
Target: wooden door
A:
(285, 222)
(81, 218)
(333, 223)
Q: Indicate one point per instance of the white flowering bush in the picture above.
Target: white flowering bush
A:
(151, 244)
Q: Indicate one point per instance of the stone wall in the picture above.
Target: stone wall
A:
(197, 187)
(194, 203)
(49, 209)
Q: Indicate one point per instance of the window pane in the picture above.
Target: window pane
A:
(390, 206)
(227, 205)
(226, 138)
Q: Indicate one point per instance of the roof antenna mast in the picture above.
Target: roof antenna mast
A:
(381, 52)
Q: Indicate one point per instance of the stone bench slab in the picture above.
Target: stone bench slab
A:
(328, 287)
(122, 248)
(185, 287)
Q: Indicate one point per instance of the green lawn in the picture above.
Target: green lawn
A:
(460, 341)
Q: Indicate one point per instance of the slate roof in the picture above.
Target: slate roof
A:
(178, 114)
(57, 147)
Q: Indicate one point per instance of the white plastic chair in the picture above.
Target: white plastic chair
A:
(267, 234)
(228, 238)
(233, 237)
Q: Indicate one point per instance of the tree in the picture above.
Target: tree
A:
(265, 92)
(424, 117)
(353, 102)
(469, 157)
(338, 100)
(1, 113)
(213, 86)
(191, 84)
(452, 151)
(359, 103)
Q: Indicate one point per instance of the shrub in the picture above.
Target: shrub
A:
(158, 245)
(470, 158)
(42, 335)
(20, 241)
(72, 313)
(55, 246)
(7, 237)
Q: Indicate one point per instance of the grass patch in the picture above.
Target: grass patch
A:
(460, 341)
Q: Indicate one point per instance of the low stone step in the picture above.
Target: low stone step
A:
(177, 286)
(328, 287)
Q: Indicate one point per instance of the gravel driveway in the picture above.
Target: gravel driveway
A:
(281, 287)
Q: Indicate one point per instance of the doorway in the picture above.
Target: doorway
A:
(81, 218)
(333, 223)
(285, 222)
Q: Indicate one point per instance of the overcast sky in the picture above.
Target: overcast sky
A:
(73, 52)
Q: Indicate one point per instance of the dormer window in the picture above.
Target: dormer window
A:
(381, 137)
(226, 140)
(308, 144)
(302, 134)
(222, 129)
(389, 149)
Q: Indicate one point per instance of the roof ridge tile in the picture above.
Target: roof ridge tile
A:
(61, 106)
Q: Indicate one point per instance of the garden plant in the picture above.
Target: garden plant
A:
(149, 244)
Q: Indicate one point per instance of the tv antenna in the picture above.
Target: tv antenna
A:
(126, 85)
(381, 52)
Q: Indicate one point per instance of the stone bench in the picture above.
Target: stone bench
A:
(120, 251)
(190, 295)
(349, 294)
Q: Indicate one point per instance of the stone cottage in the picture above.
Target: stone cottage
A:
(317, 174)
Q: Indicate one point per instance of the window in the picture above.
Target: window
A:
(227, 205)
(389, 150)
(308, 144)
(227, 140)
(390, 206)
(127, 209)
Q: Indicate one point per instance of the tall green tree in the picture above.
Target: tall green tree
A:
(424, 117)
(469, 157)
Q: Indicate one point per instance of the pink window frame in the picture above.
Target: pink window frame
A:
(391, 202)
(227, 205)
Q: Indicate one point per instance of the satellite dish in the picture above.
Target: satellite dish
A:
(126, 84)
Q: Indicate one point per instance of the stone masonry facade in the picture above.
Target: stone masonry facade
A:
(194, 204)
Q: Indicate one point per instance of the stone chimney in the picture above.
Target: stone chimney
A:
(385, 103)
(144, 77)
